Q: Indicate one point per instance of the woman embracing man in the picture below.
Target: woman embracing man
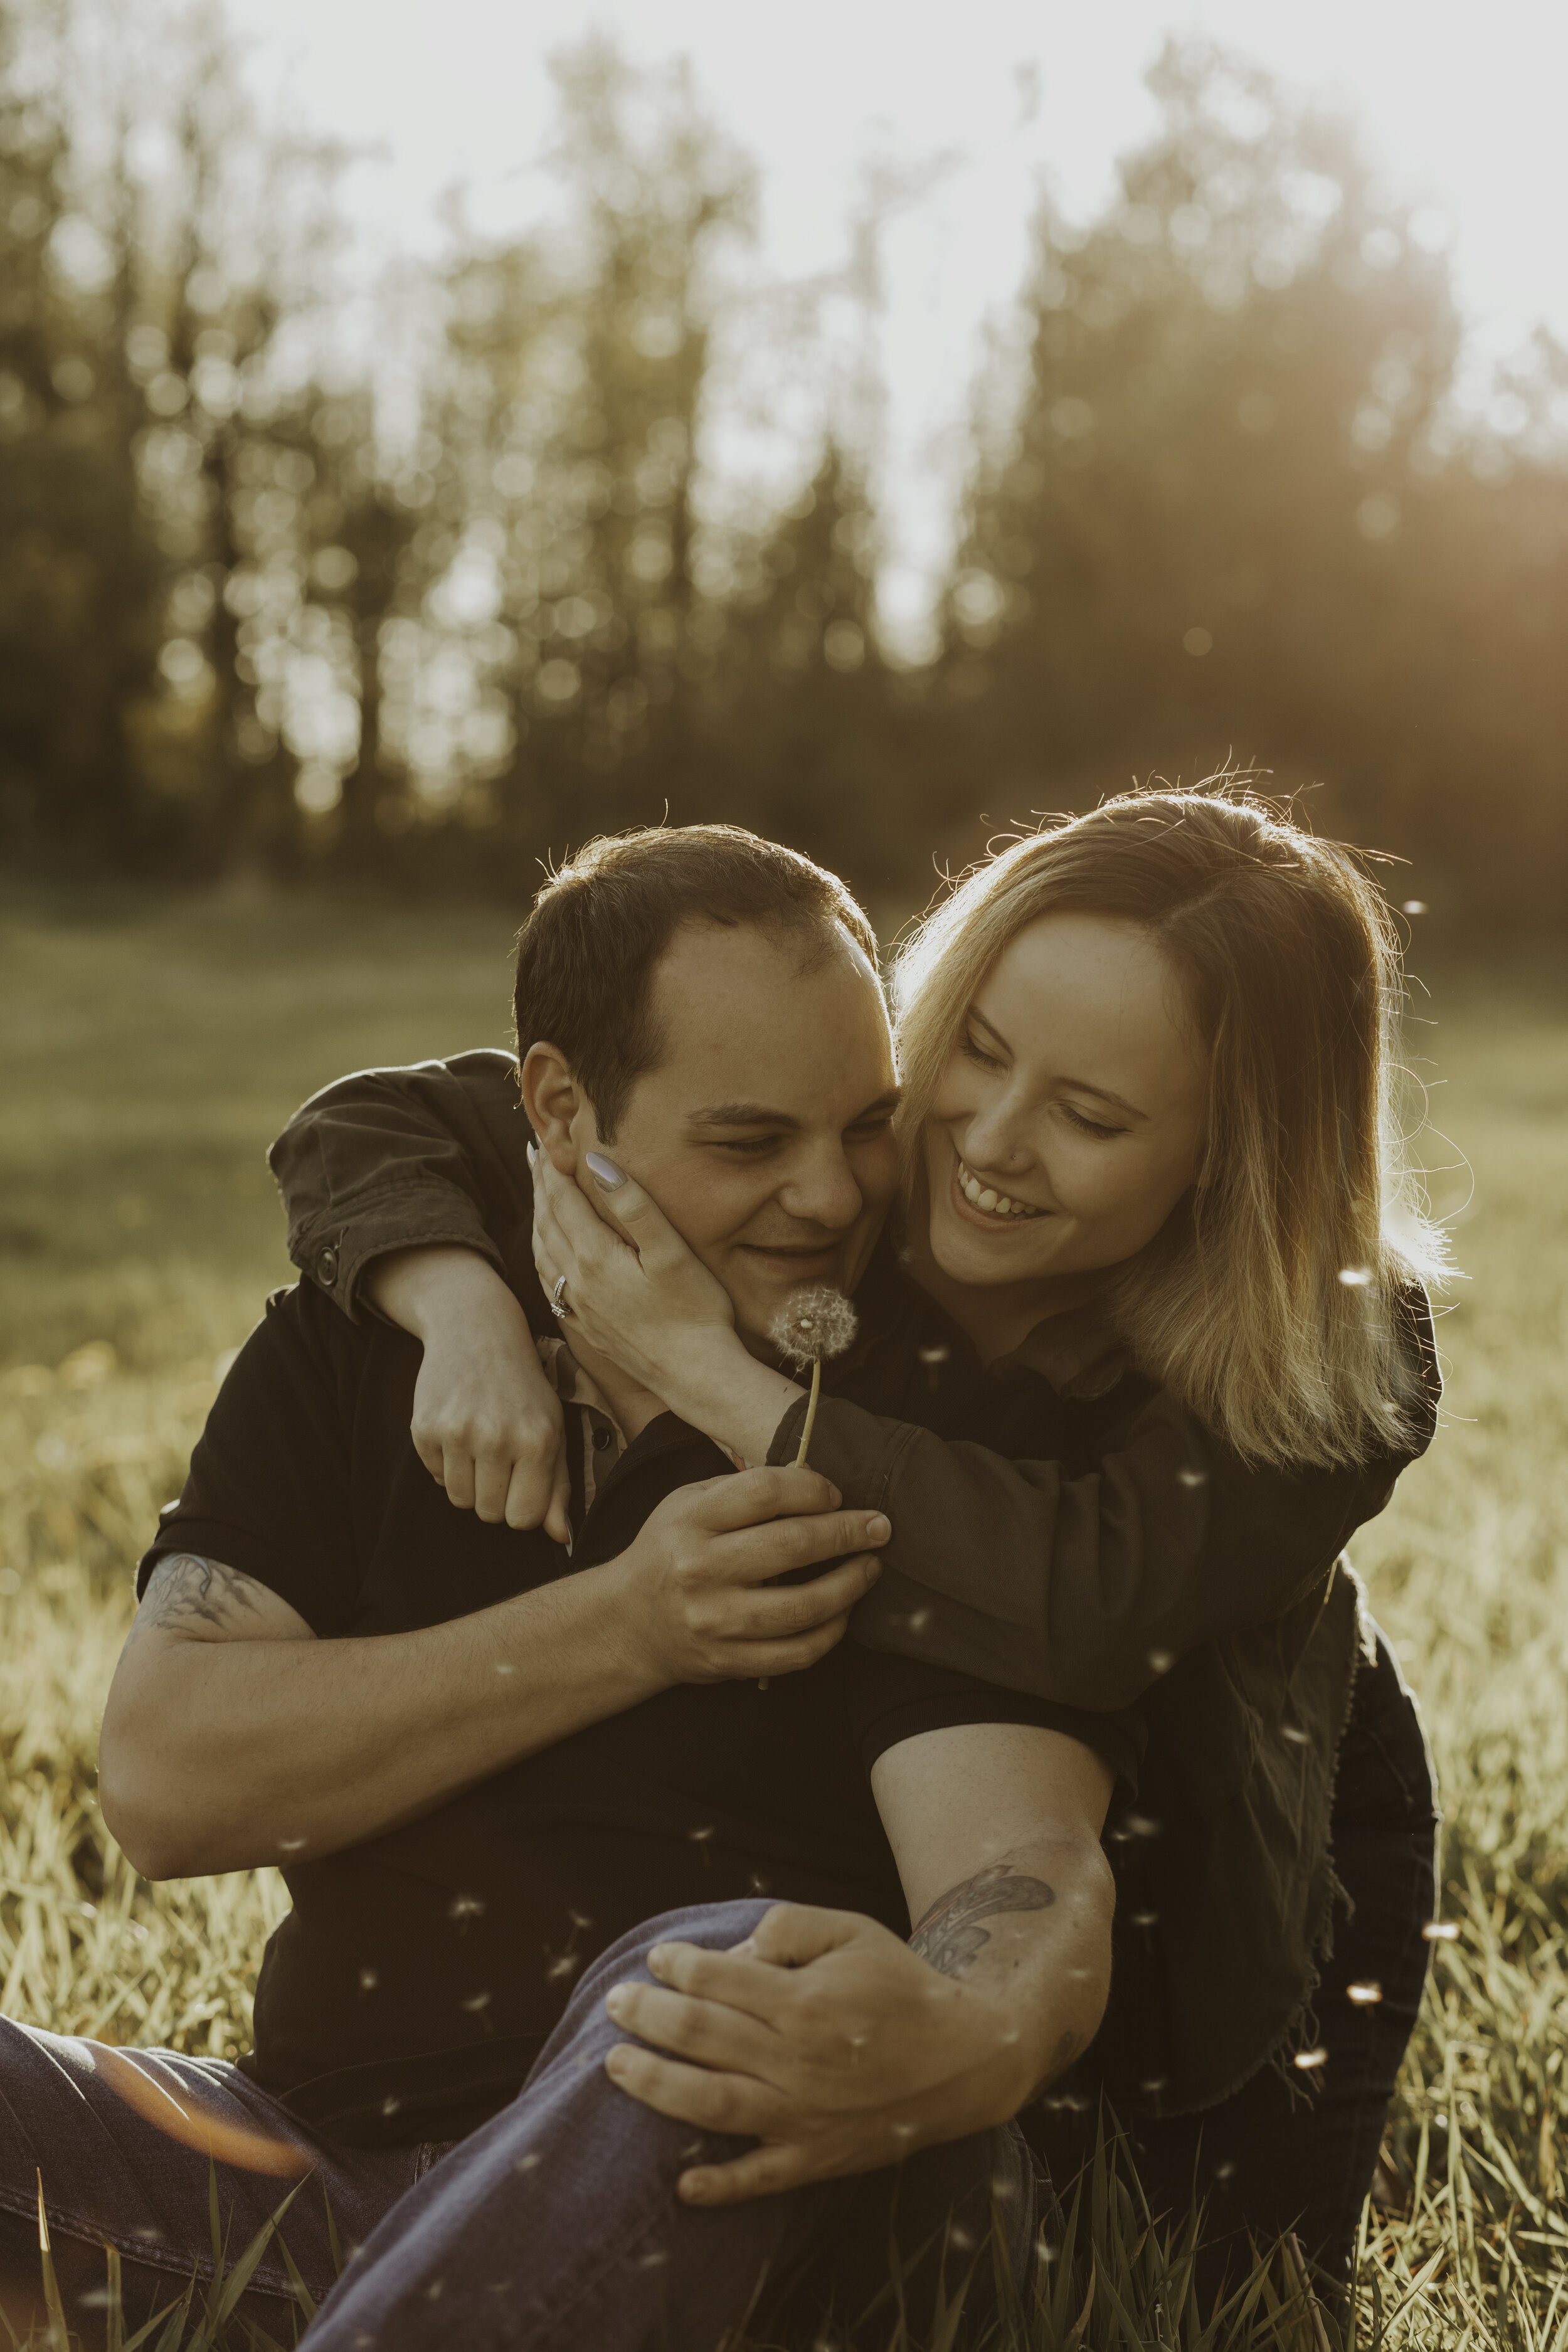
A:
(1145, 1344)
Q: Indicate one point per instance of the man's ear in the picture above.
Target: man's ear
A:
(552, 1099)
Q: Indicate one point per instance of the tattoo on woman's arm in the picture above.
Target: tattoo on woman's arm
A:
(185, 1590)
(950, 1934)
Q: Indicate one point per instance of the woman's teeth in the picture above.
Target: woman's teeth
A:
(993, 1203)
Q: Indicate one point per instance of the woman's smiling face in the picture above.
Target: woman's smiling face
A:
(1070, 1118)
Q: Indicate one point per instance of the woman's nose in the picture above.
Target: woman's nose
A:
(992, 1141)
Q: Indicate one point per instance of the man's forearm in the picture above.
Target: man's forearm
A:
(226, 1754)
(1029, 1934)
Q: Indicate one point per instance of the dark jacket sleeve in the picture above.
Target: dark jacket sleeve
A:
(393, 1158)
(1087, 1588)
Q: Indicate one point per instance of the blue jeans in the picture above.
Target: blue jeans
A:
(556, 2225)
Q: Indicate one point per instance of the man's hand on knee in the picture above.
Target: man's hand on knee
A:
(823, 2036)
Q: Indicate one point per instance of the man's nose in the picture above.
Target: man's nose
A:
(821, 1190)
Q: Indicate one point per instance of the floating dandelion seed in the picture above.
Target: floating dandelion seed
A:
(560, 1969)
(292, 1846)
(1153, 2087)
(1145, 1918)
(1309, 2060)
(527, 2163)
(1413, 907)
(466, 1906)
(368, 1980)
(1192, 1478)
(1365, 1995)
(478, 2001)
(1295, 1735)
(389, 2106)
(1355, 1277)
(502, 1667)
(1160, 1661)
(919, 1621)
(654, 2261)
(1440, 1931)
(961, 2238)
(1142, 1825)
(1226, 2171)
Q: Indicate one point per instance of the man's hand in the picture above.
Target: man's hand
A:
(698, 1605)
(824, 2036)
(486, 1423)
(842, 2049)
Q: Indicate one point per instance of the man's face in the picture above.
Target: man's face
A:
(764, 1133)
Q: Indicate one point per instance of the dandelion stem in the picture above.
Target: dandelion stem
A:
(810, 1411)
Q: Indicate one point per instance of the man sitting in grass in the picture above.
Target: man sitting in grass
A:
(597, 2010)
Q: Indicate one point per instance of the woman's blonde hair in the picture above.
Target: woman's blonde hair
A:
(1266, 1302)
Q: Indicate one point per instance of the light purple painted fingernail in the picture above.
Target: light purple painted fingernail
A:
(605, 1172)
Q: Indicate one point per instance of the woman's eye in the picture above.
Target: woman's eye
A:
(977, 1053)
(1090, 1126)
(751, 1147)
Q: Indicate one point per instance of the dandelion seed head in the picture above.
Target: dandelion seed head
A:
(1365, 1995)
(815, 1321)
(1441, 1931)
(1413, 907)
(1308, 2061)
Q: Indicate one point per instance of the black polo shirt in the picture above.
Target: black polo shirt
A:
(412, 1985)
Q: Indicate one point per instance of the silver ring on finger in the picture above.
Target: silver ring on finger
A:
(558, 1307)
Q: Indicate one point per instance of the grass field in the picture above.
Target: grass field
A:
(149, 1050)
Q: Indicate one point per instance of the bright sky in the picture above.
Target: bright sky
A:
(1461, 105)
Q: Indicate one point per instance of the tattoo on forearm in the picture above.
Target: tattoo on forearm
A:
(950, 1934)
(185, 1590)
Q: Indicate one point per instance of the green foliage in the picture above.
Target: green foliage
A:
(1233, 514)
(424, 617)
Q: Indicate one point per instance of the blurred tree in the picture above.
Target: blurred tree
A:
(1230, 516)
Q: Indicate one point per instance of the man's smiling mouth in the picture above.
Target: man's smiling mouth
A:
(987, 1200)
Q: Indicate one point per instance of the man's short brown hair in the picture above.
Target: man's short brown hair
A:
(586, 953)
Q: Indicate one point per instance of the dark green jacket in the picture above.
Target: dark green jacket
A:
(1060, 1525)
